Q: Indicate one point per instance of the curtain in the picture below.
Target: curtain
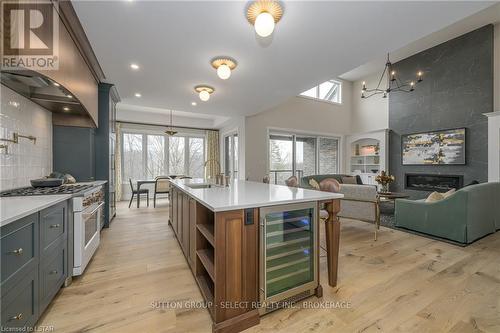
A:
(118, 162)
(213, 155)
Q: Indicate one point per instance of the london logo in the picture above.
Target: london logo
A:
(30, 35)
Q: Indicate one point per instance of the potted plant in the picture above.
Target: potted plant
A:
(384, 180)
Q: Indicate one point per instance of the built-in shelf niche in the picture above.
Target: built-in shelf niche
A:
(365, 158)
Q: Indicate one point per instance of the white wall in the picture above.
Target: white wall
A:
(25, 160)
(234, 125)
(300, 114)
(163, 119)
(369, 114)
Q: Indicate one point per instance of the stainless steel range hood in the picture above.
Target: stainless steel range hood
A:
(43, 91)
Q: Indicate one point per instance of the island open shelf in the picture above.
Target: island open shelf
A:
(238, 249)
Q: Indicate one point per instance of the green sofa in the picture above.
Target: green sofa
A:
(304, 181)
(465, 216)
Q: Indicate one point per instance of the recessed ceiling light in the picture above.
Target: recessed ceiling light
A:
(193, 103)
(56, 84)
(69, 96)
(134, 66)
(66, 108)
(137, 95)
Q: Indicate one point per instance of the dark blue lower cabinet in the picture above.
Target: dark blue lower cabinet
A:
(20, 303)
(53, 272)
(34, 265)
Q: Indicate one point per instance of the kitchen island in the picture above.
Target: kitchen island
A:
(252, 247)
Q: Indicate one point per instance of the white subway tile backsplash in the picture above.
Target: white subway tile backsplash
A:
(25, 160)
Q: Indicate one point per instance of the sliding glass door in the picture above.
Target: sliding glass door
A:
(305, 156)
(301, 155)
(281, 158)
(231, 155)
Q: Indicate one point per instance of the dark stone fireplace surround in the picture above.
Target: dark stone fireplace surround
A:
(456, 91)
(433, 182)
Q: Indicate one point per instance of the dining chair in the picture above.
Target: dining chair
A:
(138, 193)
(292, 181)
(162, 185)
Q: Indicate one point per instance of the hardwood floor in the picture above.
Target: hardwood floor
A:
(400, 283)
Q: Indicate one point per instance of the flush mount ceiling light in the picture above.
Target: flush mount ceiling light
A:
(138, 95)
(393, 83)
(263, 15)
(193, 103)
(204, 92)
(66, 108)
(224, 66)
(134, 66)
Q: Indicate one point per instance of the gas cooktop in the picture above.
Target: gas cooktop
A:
(63, 189)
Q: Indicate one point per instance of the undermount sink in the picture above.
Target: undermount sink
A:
(196, 186)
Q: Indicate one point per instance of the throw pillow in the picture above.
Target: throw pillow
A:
(434, 197)
(447, 194)
(349, 180)
(314, 184)
(329, 185)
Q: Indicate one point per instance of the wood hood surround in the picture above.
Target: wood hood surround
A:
(79, 71)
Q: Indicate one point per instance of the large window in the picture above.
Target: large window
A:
(301, 155)
(146, 156)
(330, 91)
(133, 158)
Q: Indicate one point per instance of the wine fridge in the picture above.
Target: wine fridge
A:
(289, 241)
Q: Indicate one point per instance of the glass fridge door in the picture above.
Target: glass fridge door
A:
(289, 248)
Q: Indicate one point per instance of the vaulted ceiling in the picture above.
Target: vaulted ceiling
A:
(173, 42)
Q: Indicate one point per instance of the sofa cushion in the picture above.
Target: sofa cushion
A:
(329, 185)
(304, 181)
(349, 180)
(314, 184)
(447, 194)
(434, 197)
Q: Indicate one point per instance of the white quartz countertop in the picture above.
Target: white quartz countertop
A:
(246, 194)
(15, 208)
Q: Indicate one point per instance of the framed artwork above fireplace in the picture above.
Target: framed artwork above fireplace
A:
(444, 147)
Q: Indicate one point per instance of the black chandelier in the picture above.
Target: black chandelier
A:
(394, 84)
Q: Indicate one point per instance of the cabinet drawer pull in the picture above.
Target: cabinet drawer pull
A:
(16, 252)
(55, 225)
(17, 317)
(53, 272)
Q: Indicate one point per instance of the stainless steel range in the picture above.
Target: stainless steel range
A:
(86, 211)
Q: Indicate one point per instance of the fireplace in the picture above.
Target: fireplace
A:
(428, 182)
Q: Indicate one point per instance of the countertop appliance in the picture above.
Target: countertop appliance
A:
(289, 270)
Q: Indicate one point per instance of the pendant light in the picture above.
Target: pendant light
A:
(170, 130)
